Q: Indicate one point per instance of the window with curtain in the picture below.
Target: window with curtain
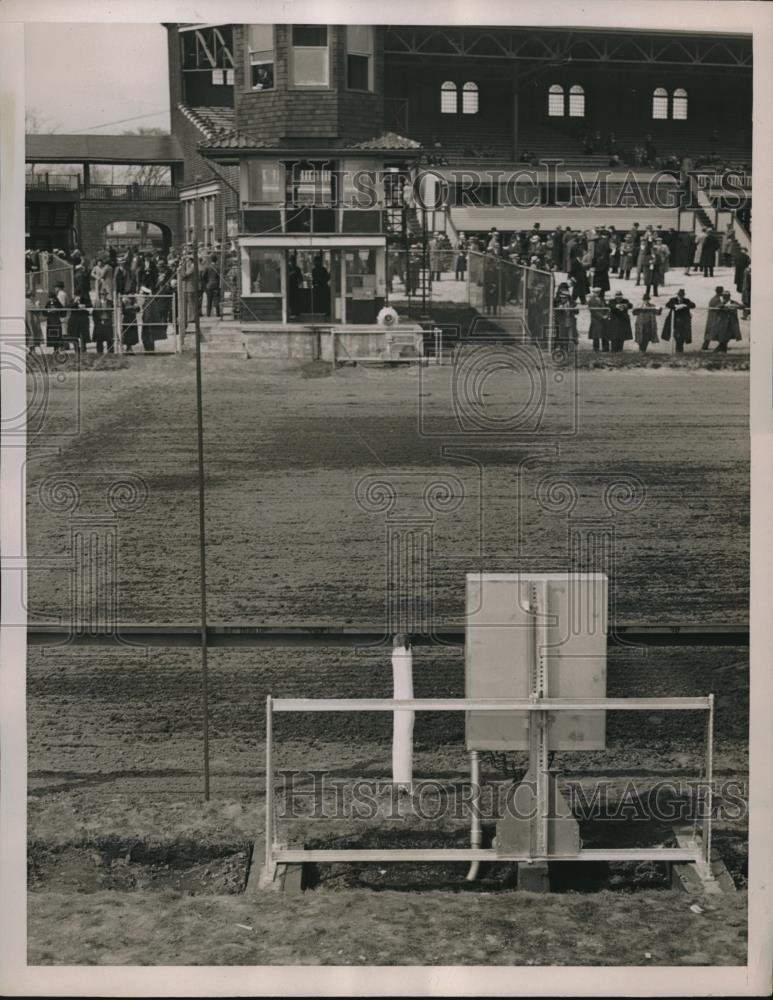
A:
(470, 98)
(359, 57)
(679, 104)
(448, 98)
(260, 55)
(310, 59)
(576, 101)
(660, 103)
(556, 101)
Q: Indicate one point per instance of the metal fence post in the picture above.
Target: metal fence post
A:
(269, 785)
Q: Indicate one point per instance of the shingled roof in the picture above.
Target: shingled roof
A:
(235, 140)
(387, 140)
(208, 120)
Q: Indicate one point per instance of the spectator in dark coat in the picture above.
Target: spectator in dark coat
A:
(78, 326)
(727, 327)
(741, 262)
(599, 320)
(601, 262)
(619, 321)
(103, 327)
(646, 332)
(709, 253)
(711, 317)
(679, 320)
(212, 285)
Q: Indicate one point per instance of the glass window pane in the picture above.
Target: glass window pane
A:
(556, 101)
(310, 67)
(310, 35)
(260, 37)
(264, 182)
(265, 270)
(359, 39)
(360, 272)
(448, 98)
(470, 99)
(680, 104)
(576, 105)
(660, 105)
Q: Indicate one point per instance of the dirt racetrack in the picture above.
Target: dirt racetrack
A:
(307, 474)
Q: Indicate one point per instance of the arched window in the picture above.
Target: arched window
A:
(576, 101)
(470, 99)
(660, 103)
(556, 101)
(448, 98)
(679, 104)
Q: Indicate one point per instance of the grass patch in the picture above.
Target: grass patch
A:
(388, 928)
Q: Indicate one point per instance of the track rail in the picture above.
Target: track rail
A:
(234, 635)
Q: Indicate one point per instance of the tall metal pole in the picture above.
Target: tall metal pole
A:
(202, 536)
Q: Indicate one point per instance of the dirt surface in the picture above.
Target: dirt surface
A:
(655, 459)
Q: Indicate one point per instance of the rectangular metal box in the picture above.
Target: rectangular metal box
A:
(501, 651)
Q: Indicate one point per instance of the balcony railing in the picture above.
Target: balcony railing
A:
(52, 182)
(312, 220)
(130, 192)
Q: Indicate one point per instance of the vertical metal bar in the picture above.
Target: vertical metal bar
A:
(543, 804)
(202, 536)
(174, 324)
(709, 782)
(269, 784)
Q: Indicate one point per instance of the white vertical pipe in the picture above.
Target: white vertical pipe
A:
(402, 732)
(476, 831)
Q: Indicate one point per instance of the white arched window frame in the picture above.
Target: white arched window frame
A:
(679, 105)
(470, 98)
(556, 101)
(660, 103)
(576, 101)
(448, 100)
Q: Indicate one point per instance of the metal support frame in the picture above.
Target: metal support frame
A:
(695, 852)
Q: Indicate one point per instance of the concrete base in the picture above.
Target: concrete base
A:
(307, 342)
(280, 878)
(533, 876)
(711, 879)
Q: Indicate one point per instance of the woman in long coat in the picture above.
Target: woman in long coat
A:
(646, 327)
(577, 272)
(679, 320)
(727, 327)
(709, 333)
(619, 321)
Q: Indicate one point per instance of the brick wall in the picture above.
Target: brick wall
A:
(284, 114)
(95, 215)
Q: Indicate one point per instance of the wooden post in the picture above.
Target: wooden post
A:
(402, 728)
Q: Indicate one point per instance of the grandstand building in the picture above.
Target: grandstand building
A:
(635, 126)
(305, 143)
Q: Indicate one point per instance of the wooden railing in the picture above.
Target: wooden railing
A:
(130, 192)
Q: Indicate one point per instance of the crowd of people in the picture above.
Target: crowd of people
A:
(589, 258)
(126, 295)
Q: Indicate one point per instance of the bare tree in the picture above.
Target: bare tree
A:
(146, 173)
(36, 123)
